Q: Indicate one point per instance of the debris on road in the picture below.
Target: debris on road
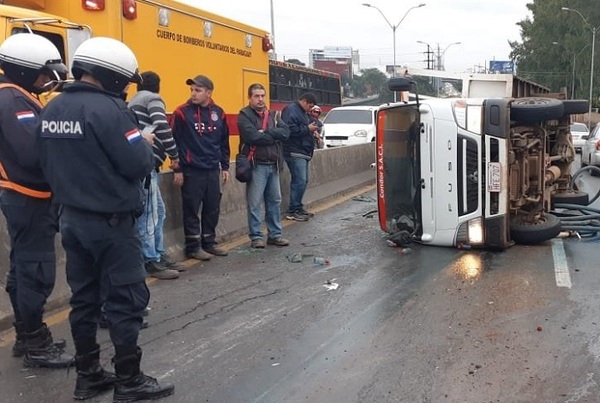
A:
(330, 285)
(320, 261)
(363, 199)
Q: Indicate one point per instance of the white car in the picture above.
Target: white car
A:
(590, 152)
(347, 125)
(578, 130)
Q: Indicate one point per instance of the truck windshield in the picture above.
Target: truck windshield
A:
(401, 169)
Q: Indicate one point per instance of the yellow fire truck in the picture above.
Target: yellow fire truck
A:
(175, 40)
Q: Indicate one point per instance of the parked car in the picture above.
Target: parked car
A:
(590, 152)
(346, 125)
(578, 131)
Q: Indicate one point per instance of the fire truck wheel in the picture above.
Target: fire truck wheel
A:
(575, 106)
(536, 109)
(524, 232)
(574, 197)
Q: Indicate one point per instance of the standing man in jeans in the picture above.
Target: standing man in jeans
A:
(202, 136)
(263, 131)
(298, 151)
(149, 108)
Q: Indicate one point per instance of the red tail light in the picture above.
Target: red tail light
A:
(92, 5)
(598, 145)
(129, 9)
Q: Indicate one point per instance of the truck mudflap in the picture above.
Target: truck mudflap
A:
(497, 234)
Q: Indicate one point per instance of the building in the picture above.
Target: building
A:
(342, 60)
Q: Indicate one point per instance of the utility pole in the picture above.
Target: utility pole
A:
(429, 54)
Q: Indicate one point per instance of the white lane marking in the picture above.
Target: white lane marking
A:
(561, 270)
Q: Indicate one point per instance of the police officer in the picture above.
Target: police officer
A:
(95, 158)
(29, 61)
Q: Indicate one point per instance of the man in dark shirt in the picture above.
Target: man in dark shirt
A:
(202, 136)
(28, 61)
(298, 151)
(95, 158)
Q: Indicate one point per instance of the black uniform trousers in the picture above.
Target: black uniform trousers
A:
(201, 189)
(104, 265)
(32, 226)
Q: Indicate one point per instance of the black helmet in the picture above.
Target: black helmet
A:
(109, 61)
(24, 56)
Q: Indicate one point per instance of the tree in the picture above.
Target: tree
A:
(295, 61)
(555, 46)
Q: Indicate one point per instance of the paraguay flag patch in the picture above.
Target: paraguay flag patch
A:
(133, 136)
(25, 116)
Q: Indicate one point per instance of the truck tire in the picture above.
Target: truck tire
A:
(547, 227)
(575, 106)
(574, 197)
(536, 109)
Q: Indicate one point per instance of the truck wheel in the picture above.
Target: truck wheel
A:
(575, 197)
(575, 106)
(536, 109)
(547, 227)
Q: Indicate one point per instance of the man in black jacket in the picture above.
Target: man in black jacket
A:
(298, 151)
(262, 132)
(28, 61)
(89, 127)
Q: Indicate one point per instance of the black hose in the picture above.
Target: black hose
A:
(583, 221)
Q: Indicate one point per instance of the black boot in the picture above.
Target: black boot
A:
(20, 348)
(92, 379)
(42, 352)
(133, 385)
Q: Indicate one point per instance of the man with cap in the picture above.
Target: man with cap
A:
(200, 130)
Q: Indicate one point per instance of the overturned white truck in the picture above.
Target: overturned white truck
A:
(474, 172)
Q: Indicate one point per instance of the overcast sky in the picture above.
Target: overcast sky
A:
(483, 27)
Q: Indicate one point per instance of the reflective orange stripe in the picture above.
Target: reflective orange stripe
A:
(38, 194)
(27, 94)
(5, 181)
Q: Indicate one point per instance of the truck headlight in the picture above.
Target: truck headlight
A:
(475, 234)
(360, 133)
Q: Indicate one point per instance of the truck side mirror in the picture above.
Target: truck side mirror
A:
(400, 84)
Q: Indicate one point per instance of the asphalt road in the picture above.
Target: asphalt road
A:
(435, 325)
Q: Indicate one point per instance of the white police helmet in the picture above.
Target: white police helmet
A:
(109, 61)
(24, 56)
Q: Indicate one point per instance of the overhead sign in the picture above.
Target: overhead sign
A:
(502, 67)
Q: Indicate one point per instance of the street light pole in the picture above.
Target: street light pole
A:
(441, 61)
(393, 32)
(593, 29)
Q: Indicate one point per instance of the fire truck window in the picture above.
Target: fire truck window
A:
(56, 39)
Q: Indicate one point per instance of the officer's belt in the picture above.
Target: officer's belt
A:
(112, 218)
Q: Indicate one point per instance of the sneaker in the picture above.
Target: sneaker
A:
(160, 271)
(257, 244)
(172, 264)
(278, 241)
(215, 250)
(306, 213)
(295, 216)
(200, 254)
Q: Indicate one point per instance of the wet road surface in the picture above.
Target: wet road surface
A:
(435, 325)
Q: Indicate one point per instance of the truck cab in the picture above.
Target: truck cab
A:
(473, 172)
